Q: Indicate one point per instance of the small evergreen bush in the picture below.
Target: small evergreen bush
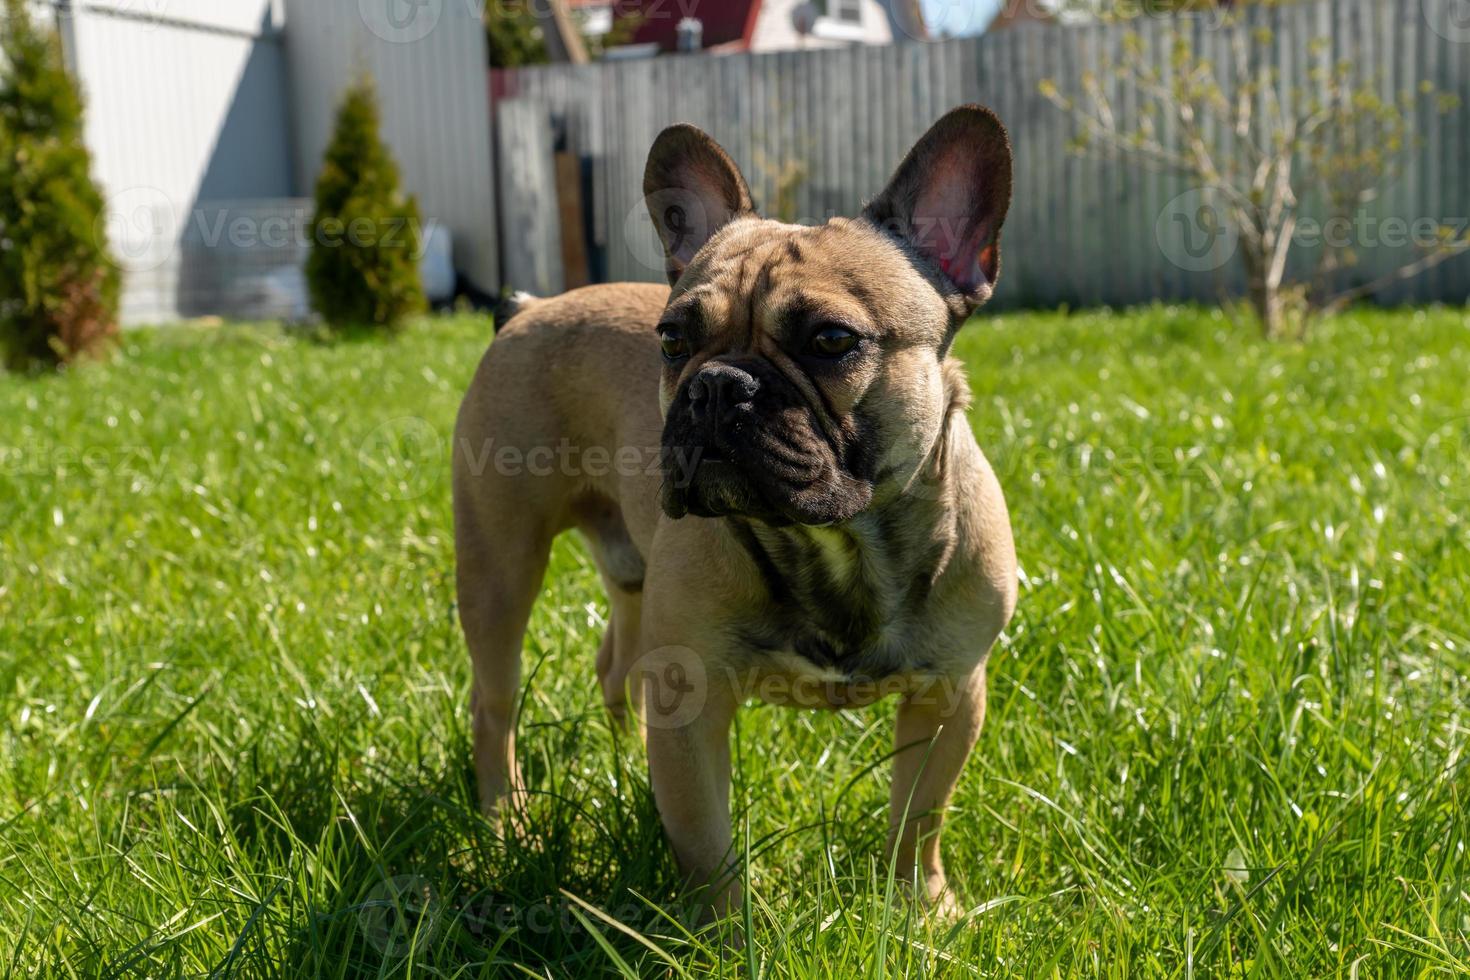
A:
(363, 266)
(58, 286)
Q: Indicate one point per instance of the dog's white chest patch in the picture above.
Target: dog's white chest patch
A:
(791, 662)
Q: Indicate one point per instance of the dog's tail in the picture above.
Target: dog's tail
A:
(510, 304)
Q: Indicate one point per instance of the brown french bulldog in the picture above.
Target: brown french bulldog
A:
(772, 468)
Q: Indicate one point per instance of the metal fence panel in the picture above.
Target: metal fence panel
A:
(429, 64)
(186, 104)
(1082, 230)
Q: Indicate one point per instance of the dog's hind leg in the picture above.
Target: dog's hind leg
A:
(622, 567)
(501, 556)
(616, 656)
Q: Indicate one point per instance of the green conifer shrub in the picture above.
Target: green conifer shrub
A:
(362, 269)
(58, 285)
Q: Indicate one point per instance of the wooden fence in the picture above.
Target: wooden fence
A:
(818, 132)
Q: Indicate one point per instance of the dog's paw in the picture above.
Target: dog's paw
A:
(508, 812)
(934, 898)
(943, 904)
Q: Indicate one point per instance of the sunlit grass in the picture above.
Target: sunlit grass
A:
(1227, 730)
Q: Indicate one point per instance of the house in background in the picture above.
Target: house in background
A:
(1015, 12)
(758, 26)
(594, 17)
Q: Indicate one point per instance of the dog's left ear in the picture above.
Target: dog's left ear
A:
(692, 189)
(948, 200)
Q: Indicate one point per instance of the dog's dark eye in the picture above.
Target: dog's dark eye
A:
(833, 341)
(673, 343)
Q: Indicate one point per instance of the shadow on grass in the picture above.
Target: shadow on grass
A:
(398, 867)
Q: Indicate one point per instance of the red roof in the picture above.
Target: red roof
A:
(725, 22)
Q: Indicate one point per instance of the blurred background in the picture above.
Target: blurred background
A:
(520, 129)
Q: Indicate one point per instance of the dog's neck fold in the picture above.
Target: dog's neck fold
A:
(883, 563)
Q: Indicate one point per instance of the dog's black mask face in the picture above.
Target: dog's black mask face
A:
(740, 438)
(803, 366)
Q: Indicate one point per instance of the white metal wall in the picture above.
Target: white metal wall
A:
(429, 60)
(208, 111)
(186, 104)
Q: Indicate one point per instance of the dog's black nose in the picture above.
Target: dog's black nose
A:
(719, 387)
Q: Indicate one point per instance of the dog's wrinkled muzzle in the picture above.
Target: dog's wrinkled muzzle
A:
(740, 440)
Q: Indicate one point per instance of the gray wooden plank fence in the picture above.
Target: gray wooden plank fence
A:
(529, 222)
(817, 133)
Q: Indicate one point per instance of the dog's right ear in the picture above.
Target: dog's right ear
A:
(692, 189)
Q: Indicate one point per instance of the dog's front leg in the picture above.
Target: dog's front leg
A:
(688, 716)
(937, 727)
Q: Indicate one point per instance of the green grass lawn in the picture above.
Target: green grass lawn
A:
(1228, 730)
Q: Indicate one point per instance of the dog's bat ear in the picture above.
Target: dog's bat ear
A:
(948, 200)
(692, 189)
